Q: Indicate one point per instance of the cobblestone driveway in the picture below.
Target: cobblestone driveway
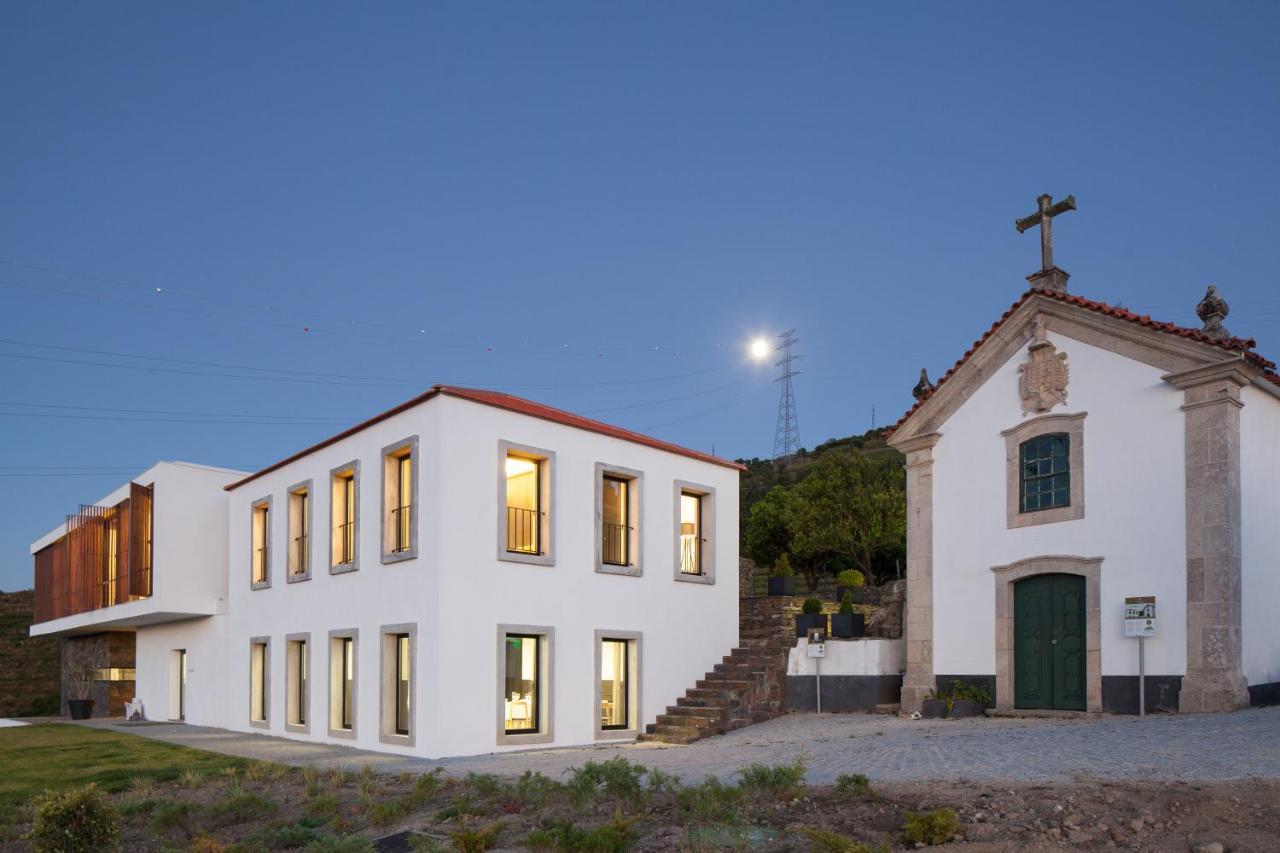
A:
(1194, 747)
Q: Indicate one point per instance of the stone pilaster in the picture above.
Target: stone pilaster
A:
(919, 680)
(1215, 677)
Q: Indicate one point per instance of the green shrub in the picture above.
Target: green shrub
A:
(963, 690)
(846, 604)
(616, 777)
(825, 841)
(476, 840)
(181, 815)
(775, 779)
(782, 568)
(932, 827)
(852, 783)
(662, 782)
(424, 788)
(532, 790)
(132, 808)
(333, 844)
(486, 785)
(324, 806)
(850, 577)
(286, 837)
(76, 821)
(387, 812)
(711, 802)
(812, 606)
(564, 837)
(241, 808)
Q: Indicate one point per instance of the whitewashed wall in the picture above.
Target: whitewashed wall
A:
(457, 591)
(1134, 510)
(206, 643)
(1260, 533)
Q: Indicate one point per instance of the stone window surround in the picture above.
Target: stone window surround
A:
(634, 640)
(635, 502)
(546, 503)
(1014, 438)
(546, 686)
(290, 575)
(708, 531)
(291, 681)
(352, 468)
(335, 691)
(265, 642)
(1090, 568)
(393, 451)
(387, 688)
(260, 504)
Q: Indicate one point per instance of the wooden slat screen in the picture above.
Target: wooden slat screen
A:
(141, 525)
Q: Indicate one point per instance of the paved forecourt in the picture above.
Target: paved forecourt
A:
(1201, 747)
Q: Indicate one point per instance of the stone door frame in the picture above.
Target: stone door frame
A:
(1090, 568)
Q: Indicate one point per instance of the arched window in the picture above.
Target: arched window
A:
(1045, 472)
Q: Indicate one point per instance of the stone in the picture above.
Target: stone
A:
(1211, 847)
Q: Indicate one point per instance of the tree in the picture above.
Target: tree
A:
(768, 533)
(845, 510)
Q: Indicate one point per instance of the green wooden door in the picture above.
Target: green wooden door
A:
(1048, 642)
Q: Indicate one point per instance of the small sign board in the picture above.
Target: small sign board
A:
(1140, 616)
(816, 647)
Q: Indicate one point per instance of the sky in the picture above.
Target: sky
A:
(229, 230)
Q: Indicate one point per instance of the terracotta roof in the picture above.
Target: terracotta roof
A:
(501, 401)
(1233, 344)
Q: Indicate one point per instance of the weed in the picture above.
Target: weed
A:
(142, 786)
(853, 784)
(532, 790)
(206, 844)
(337, 778)
(184, 816)
(460, 808)
(310, 781)
(133, 808)
(932, 827)
(476, 840)
(236, 788)
(662, 782)
(334, 844)
(825, 841)
(286, 837)
(241, 808)
(780, 779)
(425, 844)
(616, 777)
(368, 782)
(564, 837)
(486, 785)
(424, 787)
(711, 802)
(191, 778)
(388, 812)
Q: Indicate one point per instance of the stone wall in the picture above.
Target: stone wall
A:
(776, 615)
(28, 665)
(115, 649)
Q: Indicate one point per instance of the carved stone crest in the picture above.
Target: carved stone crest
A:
(1042, 381)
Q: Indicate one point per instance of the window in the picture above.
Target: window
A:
(261, 539)
(694, 533)
(300, 531)
(525, 500)
(399, 497)
(618, 502)
(342, 683)
(1045, 473)
(178, 684)
(397, 683)
(616, 685)
(258, 675)
(524, 691)
(343, 511)
(298, 666)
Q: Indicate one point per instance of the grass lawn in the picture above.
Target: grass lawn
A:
(55, 755)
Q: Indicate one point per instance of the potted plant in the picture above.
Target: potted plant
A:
(81, 675)
(935, 707)
(851, 582)
(811, 616)
(782, 580)
(848, 623)
(966, 700)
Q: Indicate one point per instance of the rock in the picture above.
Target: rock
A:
(1211, 847)
(1079, 836)
(1136, 824)
(1072, 820)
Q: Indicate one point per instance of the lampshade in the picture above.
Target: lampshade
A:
(687, 528)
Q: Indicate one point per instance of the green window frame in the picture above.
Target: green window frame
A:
(1044, 472)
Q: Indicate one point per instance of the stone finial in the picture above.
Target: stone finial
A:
(1213, 309)
(924, 386)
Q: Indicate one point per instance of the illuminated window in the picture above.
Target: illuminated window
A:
(298, 665)
(615, 522)
(522, 683)
(695, 534)
(397, 683)
(524, 505)
(342, 683)
(399, 494)
(258, 699)
(300, 531)
(344, 514)
(691, 538)
(615, 684)
(261, 556)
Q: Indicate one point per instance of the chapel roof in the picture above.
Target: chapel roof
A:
(1244, 346)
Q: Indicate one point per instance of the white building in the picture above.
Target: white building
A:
(468, 572)
(1077, 455)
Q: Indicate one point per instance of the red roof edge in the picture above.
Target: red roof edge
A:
(1240, 345)
(499, 400)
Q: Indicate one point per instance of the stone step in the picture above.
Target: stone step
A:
(692, 712)
(705, 725)
(713, 704)
(719, 682)
(682, 740)
(663, 730)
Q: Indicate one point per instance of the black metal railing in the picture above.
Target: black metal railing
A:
(401, 519)
(616, 545)
(346, 542)
(524, 530)
(260, 564)
(691, 555)
(300, 562)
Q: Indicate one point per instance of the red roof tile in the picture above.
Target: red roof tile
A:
(1241, 345)
(501, 401)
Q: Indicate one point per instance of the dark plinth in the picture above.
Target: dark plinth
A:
(1052, 279)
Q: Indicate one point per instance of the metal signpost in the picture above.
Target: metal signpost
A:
(817, 649)
(1140, 622)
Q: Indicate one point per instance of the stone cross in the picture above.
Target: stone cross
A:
(1044, 218)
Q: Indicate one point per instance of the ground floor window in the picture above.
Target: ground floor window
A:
(258, 681)
(521, 679)
(615, 681)
(298, 665)
(397, 683)
(178, 684)
(342, 683)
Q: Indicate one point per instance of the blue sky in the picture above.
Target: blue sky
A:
(274, 220)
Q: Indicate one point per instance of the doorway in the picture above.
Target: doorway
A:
(1049, 642)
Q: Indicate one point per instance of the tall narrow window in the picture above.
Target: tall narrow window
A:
(258, 682)
(615, 684)
(615, 523)
(261, 542)
(521, 685)
(348, 685)
(399, 496)
(1045, 472)
(402, 684)
(343, 661)
(298, 699)
(691, 538)
(344, 509)
(524, 505)
(300, 531)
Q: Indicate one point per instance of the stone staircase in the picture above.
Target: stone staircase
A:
(745, 687)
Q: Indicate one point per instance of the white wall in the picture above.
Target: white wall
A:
(1134, 510)
(206, 643)
(1260, 534)
(457, 591)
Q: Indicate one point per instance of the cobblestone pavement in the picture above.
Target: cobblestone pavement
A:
(1193, 747)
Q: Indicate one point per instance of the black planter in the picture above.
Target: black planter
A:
(966, 708)
(846, 626)
(81, 709)
(934, 709)
(782, 586)
(805, 622)
(859, 594)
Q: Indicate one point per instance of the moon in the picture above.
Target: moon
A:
(759, 349)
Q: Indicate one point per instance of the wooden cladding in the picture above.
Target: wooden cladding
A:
(104, 558)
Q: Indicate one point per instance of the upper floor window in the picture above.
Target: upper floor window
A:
(618, 520)
(695, 537)
(300, 531)
(261, 538)
(344, 505)
(1045, 473)
(399, 499)
(691, 538)
(526, 501)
